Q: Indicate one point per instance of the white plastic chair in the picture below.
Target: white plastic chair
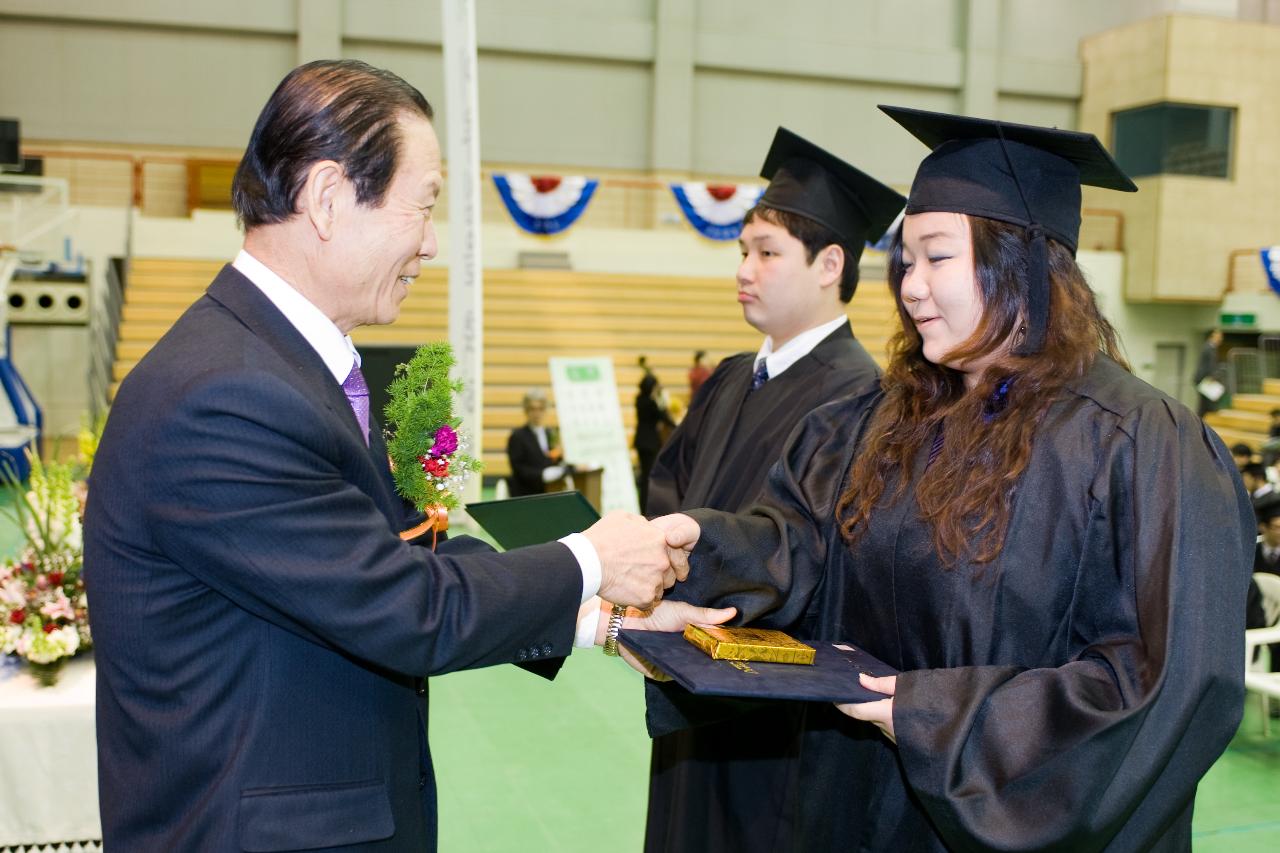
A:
(1256, 676)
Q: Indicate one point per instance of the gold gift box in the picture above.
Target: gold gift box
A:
(759, 644)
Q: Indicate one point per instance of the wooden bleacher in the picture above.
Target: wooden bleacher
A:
(529, 315)
(1249, 418)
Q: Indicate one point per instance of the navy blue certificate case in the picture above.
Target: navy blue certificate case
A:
(832, 677)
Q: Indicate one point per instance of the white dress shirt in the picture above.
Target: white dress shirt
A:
(339, 354)
(796, 348)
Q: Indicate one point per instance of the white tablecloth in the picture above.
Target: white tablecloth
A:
(48, 757)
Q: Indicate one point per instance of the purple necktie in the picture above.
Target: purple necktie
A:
(357, 392)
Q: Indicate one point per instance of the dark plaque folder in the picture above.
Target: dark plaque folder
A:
(534, 519)
(832, 677)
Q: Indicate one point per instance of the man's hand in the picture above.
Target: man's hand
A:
(666, 616)
(636, 561)
(682, 534)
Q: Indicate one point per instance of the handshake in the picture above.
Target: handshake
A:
(640, 558)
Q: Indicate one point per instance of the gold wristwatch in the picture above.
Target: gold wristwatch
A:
(615, 625)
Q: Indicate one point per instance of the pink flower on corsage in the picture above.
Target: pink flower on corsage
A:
(446, 441)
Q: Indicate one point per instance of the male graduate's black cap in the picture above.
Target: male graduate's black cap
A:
(808, 181)
(1016, 173)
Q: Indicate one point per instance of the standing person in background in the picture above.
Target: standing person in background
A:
(698, 374)
(717, 787)
(651, 417)
(1207, 368)
(533, 450)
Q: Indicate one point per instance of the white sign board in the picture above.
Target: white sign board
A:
(591, 430)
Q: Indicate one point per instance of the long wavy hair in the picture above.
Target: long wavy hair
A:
(966, 494)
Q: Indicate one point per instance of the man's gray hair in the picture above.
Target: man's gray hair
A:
(533, 395)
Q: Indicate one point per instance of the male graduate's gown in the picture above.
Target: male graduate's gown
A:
(711, 786)
(1067, 696)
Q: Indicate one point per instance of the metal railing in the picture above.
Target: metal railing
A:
(1245, 370)
(1270, 346)
(104, 328)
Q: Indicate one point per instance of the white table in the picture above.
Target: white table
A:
(48, 760)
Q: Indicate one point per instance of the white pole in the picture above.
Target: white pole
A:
(466, 290)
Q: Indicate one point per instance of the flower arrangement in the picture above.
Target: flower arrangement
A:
(44, 614)
(428, 454)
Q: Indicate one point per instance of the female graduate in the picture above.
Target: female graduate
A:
(1053, 553)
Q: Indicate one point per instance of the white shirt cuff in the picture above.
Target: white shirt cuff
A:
(553, 473)
(588, 561)
(588, 623)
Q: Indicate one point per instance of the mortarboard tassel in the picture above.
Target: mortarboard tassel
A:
(1037, 292)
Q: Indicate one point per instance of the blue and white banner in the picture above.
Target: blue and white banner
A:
(716, 210)
(1271, 266)
(544, 204)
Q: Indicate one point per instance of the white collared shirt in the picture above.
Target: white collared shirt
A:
(339, 354)
(796, 348)
(335, 348)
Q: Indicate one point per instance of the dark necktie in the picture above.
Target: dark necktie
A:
(357, 392)
(761, 375)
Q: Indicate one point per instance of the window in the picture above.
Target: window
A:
(1174, 139)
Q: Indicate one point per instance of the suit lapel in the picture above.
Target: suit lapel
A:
(243, 299)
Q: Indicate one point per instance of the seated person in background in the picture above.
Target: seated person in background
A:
(1266, 557)
(1242, 454)
(1254, 475)
(533, 450)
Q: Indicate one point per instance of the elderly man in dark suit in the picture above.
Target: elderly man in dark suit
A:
(533, 452)
(263, 634)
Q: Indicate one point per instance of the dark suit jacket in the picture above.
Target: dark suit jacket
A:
(1260, 563)
(262, 633)
(528, 461)
(649, 414)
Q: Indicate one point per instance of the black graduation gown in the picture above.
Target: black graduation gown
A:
(719, 455)
(710, 788)
(1067, 697)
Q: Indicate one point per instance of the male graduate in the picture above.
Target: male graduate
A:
(717, 787)
(262, 632)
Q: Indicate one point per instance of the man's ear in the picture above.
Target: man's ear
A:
(320, 196)
(830, 265)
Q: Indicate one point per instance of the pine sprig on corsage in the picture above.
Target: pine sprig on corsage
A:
(427, 450)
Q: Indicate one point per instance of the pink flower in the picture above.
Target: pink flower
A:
(446, 441)
(60, 607)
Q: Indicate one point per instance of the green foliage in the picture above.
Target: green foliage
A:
(421, 403)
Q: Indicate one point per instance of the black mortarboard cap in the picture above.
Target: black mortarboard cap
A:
(806, 180)
(1016, 173)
